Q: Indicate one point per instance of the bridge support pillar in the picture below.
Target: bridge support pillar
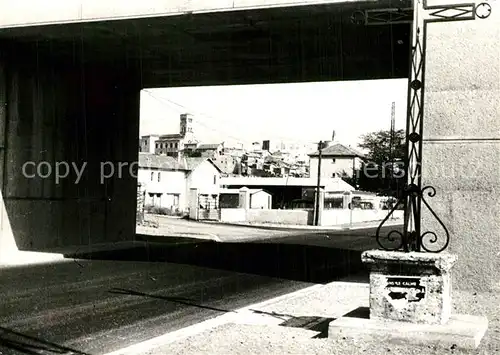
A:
(461, 148)
(68, 139)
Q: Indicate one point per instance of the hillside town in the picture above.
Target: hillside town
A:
(181, 175)
(266, 158)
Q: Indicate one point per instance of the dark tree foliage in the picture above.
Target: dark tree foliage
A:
(382, 171)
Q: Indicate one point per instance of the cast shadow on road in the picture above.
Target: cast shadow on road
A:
(179, 300)
(25, 344)
(316, 324)
(286, 261)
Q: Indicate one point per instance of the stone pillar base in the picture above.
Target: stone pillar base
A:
(410, 287)
(410, 303)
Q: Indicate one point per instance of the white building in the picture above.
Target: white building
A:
(167, 182)
(174, 144)
(147, 144)
(336, 160)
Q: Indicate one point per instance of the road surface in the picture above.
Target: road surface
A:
(95, 307)
(108, 300)
(361, 238)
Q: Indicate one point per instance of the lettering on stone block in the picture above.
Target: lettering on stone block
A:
(403, 290)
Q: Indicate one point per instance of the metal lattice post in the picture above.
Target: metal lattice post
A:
(412, 237)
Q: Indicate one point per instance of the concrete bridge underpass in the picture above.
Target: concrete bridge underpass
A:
(70, 92)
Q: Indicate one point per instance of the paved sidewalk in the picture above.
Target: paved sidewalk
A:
(299, 325)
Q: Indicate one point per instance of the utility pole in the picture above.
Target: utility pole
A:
(391, 143)
(318, 186)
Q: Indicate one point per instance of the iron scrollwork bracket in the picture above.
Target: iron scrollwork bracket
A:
(412, 238)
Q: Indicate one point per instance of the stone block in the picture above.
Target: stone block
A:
(410, 287)
(461, 331)
(471, 218)
(465, 166)
(468, 114)
(463, 55)
(467, 181)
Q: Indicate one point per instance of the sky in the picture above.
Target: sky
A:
(297, 113)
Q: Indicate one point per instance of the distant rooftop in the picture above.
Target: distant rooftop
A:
(170, 136)
(208, 146)
(338, 150)
(155, 161)
(330, 184)
(163, 162)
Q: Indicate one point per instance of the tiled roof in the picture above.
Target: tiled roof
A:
(155, 161)
(338, 150)
(170, 136)
(190, 164)
(208, 146)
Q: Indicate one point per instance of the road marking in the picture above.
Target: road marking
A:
(141, 348)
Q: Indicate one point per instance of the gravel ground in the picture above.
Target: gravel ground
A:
(268, 339)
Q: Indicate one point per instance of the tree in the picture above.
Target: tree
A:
(385, 157)
(379, 147)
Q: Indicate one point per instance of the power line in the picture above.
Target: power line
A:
(186, 109)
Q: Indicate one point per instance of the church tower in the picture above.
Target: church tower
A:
(187, 126)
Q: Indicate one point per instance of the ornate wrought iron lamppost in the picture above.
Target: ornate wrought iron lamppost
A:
(412, 238)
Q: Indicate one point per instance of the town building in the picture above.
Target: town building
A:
(167, 181)
(147, 144)
(259, 198)
(210, 150)
(337, 160)
(288, 192)
(173, 145)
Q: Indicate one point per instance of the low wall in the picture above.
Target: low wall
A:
(343, 216)
(296, 217)
(232, 215)
(292, 217)
(303, 217)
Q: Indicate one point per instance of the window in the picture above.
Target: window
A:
(215, 179)
(177, 145)
(333, 160)
(152, 176)
(159, 176)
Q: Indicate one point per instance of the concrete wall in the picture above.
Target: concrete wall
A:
(193, 204)
(343, 216)
(32, 11)
(52, 114)
(229, 215)
(461, 152)
(298, 217)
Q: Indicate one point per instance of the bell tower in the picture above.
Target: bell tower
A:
(187, 125)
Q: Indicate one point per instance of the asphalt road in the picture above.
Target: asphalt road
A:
(356, 239)
(98, 306)
(108, 300)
